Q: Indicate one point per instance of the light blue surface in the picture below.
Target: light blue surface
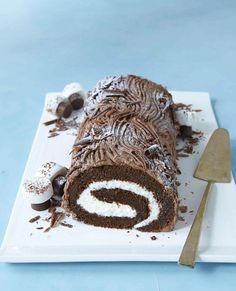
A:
(186, 45)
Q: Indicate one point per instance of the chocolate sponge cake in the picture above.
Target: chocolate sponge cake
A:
(123, 171)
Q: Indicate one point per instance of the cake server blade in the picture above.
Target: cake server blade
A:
(213, 167)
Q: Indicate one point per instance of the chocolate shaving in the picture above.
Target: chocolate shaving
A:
(32, 220)
(56, 218)
(182, 156)
(178, 183)
(188, 149)
(197, 132)
(52, 209)
(47, 229)
(50, 122)
(183, 208)
(83, 141)
(153, 237)
(179, 150)
(63, 125)
(53, 134)
(66, 224)
(179, 106)
(180, 218)
(194, 140)
(48, 218)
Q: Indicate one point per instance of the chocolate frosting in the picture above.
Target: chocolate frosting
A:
(128, 121)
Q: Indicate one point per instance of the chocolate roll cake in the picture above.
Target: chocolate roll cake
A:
(123, 172)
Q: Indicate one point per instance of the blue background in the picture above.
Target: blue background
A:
(185, 45)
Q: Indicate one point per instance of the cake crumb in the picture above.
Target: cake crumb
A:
(39, 227)
(191, 211)
(153, 237)
(137, 235)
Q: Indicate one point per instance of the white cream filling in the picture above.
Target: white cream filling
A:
(102, 208)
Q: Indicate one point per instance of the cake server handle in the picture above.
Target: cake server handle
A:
(189, 251)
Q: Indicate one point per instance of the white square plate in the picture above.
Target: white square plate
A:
(24, 243)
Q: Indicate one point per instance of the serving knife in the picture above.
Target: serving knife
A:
(213, 167)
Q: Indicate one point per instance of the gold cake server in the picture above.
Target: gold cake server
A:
(213, 167)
